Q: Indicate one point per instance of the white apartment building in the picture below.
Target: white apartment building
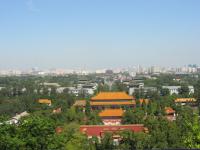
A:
(174, 89)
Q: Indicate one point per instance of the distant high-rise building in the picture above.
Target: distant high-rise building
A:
(109, 71)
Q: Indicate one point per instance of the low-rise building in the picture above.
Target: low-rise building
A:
(111, 116)
(140, 87)
(112, 100)
(191, 89)
(186, 101)
(89, 89)
(50, 84)
(170, 113)
(1, 88)
(60, 89)
(73, 90)
(175, 89)
(45, 101)
(100, 130)
(57, 110)
(16, 119)
(134, 87)
(172, 89)
(109, 100)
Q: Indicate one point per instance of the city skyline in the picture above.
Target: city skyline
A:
(191, 68)
(118, 67)
(98, 34)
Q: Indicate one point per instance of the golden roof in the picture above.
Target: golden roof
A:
(111, 103)
(112, 96)
(185, 100)
(111, 112)
(44, 101)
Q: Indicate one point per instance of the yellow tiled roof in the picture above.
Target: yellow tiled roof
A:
(111, 103)
(112, 96)
(185, 100)
(111, 112)
(44, 101)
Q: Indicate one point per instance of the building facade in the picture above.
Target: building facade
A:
(111, 116)
(175, 89)
(113, 100)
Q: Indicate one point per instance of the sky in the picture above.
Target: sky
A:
(98, 33)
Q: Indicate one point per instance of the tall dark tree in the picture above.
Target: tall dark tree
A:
(132, 141)
(87, 108)
(135, 116)
(197, 93)
(164, 92)
(184, 91)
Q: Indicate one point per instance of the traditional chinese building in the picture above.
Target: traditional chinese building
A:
(57, 110)
(45, 101)
(186, 101)
(100, 130)
(109, 100)
(111, 116)
(114, 100)
(170, 113)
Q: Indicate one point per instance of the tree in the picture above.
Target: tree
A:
(133, 116)
(9, 137)
(184, 91)
(132, 141)
(185, 117)
(53, 91)
(159, 136)
(4, 92)
(72, 139)
(197, 93)
(106, 142)
(152, 108)
(77, 142)
(164, 92)
(118, 86)
(87, 108)
(192, 138)
(71, 114)
(37, 132)
(3, 118)
(139, 93)
(102, 87)
(173, 135)
(94, 119)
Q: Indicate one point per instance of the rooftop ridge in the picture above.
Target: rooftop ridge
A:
(112, 95)
(111, 112)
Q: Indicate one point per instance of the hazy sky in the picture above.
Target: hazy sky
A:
(98, 33)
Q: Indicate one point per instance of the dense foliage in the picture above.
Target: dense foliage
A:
(38, 130)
